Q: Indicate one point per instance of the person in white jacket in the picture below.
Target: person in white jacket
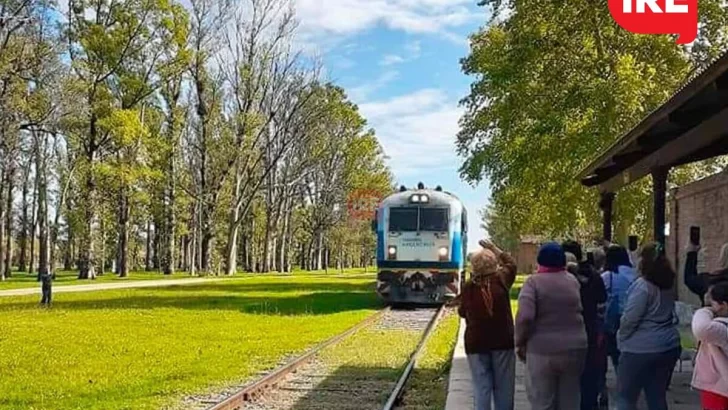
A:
(710, 327)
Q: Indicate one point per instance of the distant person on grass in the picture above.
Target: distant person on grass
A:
(710, 327)
(593, 299)
(486, 306)
(648, 335)
(550, 333)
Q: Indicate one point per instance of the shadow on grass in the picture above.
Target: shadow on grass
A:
(320, 303)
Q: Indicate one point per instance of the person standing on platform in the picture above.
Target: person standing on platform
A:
(618, 276)
(696, 277)
(710, 328)
(593, 299)
(486, 306)
(550, 333)
(648, 335)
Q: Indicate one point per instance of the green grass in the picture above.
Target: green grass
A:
(427, 387)
(687, 339)
(20, 280)
(148, 348)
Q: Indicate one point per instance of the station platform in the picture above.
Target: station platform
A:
(460, 388)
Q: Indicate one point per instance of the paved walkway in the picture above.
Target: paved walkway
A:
(109, 286)
(460, 390)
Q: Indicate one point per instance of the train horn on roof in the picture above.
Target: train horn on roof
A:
(420, 186)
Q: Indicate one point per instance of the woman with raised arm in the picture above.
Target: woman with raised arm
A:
(486, 306)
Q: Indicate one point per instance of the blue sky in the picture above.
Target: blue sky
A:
(399, 61)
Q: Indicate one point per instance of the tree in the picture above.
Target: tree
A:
(551, 92)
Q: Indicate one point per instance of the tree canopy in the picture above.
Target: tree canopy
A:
(555, 83)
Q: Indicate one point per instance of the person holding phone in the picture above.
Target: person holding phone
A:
(696, 276)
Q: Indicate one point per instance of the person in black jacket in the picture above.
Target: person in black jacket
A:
(700, 282)
(593, 300)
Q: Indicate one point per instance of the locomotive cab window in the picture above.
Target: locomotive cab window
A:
(433, 220)
(403, 220)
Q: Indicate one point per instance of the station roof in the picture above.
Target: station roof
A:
(691, 126)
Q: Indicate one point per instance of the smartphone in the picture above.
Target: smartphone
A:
(695, 235)
(590, 258)
(633, 243)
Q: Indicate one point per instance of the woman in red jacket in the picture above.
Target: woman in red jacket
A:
(486, 306)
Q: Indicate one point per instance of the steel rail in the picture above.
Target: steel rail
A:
(404, 377)
(271, 380)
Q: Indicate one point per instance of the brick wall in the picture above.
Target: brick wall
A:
(703, 203)
(525, 257)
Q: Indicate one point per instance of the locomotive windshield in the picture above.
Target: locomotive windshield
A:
(414, 219)
(433, 220)
(403, 220)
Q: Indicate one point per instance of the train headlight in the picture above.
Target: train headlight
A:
(415, 199)
(444, 253)
(392, 252)
(424, 199)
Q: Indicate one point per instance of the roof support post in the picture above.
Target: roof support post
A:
(659, 192)
(606, 204)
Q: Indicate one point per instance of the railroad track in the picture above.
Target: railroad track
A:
(307, 383)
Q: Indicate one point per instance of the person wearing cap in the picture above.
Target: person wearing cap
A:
(550, 334)
(486, 306)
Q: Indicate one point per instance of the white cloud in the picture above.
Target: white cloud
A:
(328, 19)
(417, 131)
(362, 92)
(391, 59)
(412, 51)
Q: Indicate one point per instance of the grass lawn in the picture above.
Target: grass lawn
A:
(148, 348)
(427, 387)
(21, 280)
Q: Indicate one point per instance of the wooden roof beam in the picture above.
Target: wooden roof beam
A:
(703, 135)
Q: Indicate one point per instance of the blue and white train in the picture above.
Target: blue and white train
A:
(421, 246)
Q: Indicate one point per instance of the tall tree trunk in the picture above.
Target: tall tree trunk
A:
(23, 238)
(87, 268)
(207, 239)
(319, 251)
(148, 251)
(69, 251)
(244, 253)
(9, 225)
(102, 251)
(231, 248)
(170, 229)
(44, 263)
(2, 225)
(33, 226)
(156, 243)
(122, 265)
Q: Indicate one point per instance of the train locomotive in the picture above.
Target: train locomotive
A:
(421, 246)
